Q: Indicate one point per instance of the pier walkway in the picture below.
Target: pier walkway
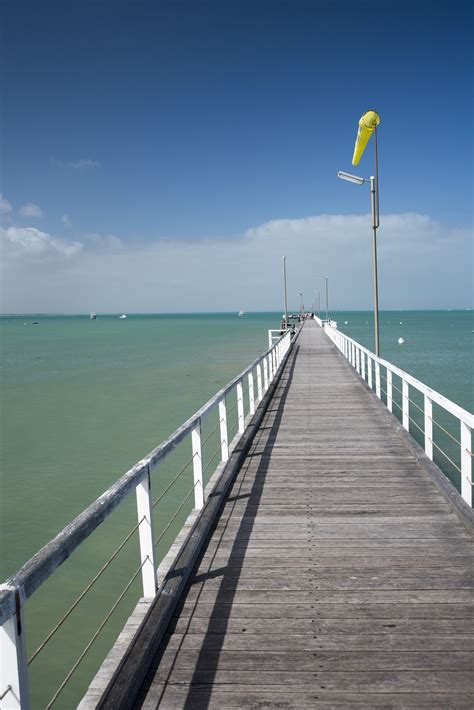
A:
(337, 574)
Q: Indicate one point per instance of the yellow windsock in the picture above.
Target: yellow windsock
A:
(366, 127)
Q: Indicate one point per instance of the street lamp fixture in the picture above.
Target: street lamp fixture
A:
(351, 178)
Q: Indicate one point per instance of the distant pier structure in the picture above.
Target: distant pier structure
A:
(328, 561)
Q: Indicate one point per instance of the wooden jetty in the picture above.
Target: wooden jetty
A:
(339, 572)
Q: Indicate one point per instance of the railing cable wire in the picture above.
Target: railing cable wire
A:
(180, 473)
(445, 431)
(97, 632)
(84, 592)
(5, 692)
(175, 515)
(446, 456)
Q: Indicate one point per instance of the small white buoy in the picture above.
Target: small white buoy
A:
(401, 322)
(401, 341)
(345, 322)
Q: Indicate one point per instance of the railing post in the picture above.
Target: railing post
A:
(240, 406)
(369, 371)
(197, 466)
(466, 463)
(428, 427)
(259, 381)
(14, 664)
(146, 537)
(405, 405)
(223, 430)
(358, 360)
(363, 365)
(251, 393)
(265, 374)
(377, 380)
(389, 391)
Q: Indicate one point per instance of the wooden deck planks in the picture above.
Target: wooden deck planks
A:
(337, 574)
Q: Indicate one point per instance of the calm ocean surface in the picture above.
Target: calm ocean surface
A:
(83, 400)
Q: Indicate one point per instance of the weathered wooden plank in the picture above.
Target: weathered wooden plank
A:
(393, 626)
(289, 641)
(178, 663)
(364, 610)
(277, 596)
(279, 696)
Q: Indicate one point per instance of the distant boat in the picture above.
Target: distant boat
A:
(122, 316)
(241, 313)
(93, 316)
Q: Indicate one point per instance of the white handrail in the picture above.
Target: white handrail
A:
(359, 356)
(17, 589)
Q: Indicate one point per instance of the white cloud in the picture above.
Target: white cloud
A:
(416, 256)
(30, 210)
(66, 220)
(5, 205)
(81, 164)
(22, 243)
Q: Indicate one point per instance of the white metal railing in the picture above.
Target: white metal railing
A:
(373, 369)
(14, 688)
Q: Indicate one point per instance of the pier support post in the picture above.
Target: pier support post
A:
(145, 532)
(405, 406)
(14, 664)
(377, 380)
(265, 374)
(466, 463)
(259, 382)
(389, 391)
(251, 393)
(428, 427)
(223, 430)
(197, 467)
(240, 406)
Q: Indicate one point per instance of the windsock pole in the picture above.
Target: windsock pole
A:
(374, 198)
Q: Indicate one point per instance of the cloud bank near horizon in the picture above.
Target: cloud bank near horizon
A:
(422, 264)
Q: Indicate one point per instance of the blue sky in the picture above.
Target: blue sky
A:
(134, 125)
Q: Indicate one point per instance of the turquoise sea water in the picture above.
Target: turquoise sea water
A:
(83, 400)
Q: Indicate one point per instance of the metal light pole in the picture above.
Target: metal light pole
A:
(320, 276)
(318, 302)
(301, 305)
(374, 201)
(286, 293)
(374, 194)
